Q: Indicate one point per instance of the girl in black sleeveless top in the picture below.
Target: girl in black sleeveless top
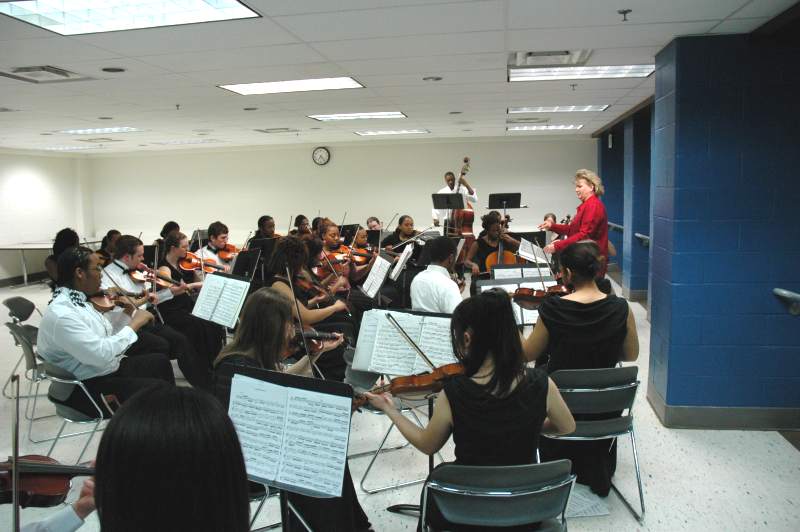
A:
(205, 336)
(586, 329)
(497, 409)
(485, 245)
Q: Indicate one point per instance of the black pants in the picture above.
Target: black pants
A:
(159, 338)
(206, 337)
(134, 374)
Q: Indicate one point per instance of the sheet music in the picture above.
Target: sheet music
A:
(526, 250)
(221, 299)
(401, 262)
(392, 354)
(507, 273)
(376, 277)
(510, 288)
(258, 411)
(314, 459)
(435, 341)
(536, 273)
(291, 437)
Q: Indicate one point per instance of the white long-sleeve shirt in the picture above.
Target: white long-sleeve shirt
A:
(444, 214)
(76, 337)
(434, 291)
(64, 520)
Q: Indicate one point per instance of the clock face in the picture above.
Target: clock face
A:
(321, 155)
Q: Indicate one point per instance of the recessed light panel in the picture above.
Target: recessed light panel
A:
(188, 141)
(71, 148)
(581, 72)
(392, 132)
(294, 85)
(558, 109)
(98, 16)
(358, 116)
(559, 127)
(99, 130)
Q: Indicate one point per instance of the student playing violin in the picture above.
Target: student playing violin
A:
(206, 337)
(265, 328)
(498, 408)
(266, 229)
(217, 243)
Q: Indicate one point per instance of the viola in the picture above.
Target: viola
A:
(43, 481)
(530, 298)
(416, 385)
(192, 262)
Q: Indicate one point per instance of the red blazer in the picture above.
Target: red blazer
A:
(590, 222)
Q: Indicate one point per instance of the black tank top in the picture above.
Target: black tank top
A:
(493, 431)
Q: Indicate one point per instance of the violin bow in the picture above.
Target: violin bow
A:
(412, 239)
(536, 262)
(300, 321)
(410, 342)
(200, 255)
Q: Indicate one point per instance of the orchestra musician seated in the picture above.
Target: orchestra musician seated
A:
(483, 247)
(169, 227)
(206, 337)
(65, 238)
(76, 337)
(374, 224)
(262, 340)
(583, 330)
(266, 229)
(434, 289)
(156, 336)
(497, 409)
(217, 245)
(106, 250)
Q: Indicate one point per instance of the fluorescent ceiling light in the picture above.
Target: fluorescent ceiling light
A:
(358, 116)
(392, 132)
(558, 109)
(295, 85)
(580, 72)
(559, 127)
(72, 148)
(97, 16)
(99, 130)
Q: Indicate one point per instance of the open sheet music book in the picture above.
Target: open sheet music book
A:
(221, 298)
(529, 252)
(381, 348)
(294, 431)
(377, 275)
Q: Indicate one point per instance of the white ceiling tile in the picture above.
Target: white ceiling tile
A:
(50, 51)
(274, 8)
(584, 13)
(12, 29)
(191, 37)
(413, 45)
(764, 8)
(256, 56)
(228, 76)
(604, 36)
(739, 25)
(450, 78)
(413, 20)
(425, 65)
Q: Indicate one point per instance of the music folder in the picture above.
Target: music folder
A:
(294, 431)
(221, 298)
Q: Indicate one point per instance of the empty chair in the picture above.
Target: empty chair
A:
(20, 310)
(501, 496)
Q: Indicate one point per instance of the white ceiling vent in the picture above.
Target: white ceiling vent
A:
(273, 130)
(42, 74)
(549, 58)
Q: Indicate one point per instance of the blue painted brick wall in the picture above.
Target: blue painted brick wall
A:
(611, 168)
(724, 225)
(635, 263)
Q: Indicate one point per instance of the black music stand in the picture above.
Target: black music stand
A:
(266, 246)
(348, 233)
(374, 237)
(247, 263)
(150, 256)
(202, 236)
(448, 202)
(505, 201)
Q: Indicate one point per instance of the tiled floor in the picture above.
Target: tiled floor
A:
(693, 479)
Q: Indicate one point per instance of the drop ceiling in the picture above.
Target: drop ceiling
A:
(169, 87)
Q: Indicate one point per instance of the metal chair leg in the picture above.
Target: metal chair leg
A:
(639, 516)
(55, 440)
(8, 380)
(88, 441)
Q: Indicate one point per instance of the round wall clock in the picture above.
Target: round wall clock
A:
(321, 155)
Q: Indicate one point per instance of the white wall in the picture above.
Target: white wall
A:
(39, 194)
(140, 192)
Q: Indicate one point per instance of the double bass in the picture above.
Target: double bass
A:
(460, 221)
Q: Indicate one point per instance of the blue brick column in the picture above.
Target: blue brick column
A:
(636, 203)
(611, 169)
(724, 351)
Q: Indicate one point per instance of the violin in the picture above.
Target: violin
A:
(313, 339)
(228, 252)
(415, 385)
(44, 482)
(192, 262)
(143, 274)
(530, 298)
(105, 301)
(335, 261)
